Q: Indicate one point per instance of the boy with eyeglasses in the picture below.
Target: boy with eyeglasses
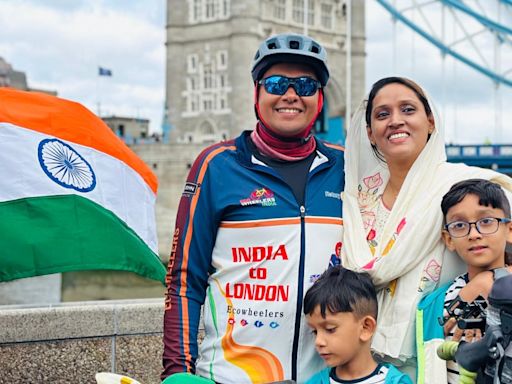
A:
(259, 220)
(477, 227)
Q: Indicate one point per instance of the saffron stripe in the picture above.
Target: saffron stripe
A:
(186, 246)
(265, 223)
(69, 121)
(278, 222)
(334, 146)
(324, 220)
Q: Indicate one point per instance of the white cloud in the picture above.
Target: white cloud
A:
(465, 97)
(60, 44)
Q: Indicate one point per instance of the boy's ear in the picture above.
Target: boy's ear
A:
(448, 240)
(368, 327)
(509, 232)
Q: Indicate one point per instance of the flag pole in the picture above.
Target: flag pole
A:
(98, 103)
(306, 7)
(348, 71)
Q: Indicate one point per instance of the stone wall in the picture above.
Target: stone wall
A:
(70, 343)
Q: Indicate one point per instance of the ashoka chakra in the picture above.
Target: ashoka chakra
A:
(65, 166)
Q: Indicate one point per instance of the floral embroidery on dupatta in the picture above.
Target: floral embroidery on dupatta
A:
(392, 285)
(431, 274)
(368, 198)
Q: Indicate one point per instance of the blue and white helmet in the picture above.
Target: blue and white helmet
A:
(294, 48)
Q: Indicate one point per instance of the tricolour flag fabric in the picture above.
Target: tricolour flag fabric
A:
(73, 196)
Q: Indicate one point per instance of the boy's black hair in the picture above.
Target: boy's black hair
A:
(341, 290)
(489, 194)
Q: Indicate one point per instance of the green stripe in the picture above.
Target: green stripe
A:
(44, 235)
(213, 310)
(420, 347)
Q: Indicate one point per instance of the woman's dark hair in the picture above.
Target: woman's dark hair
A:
(488, 193)
(393, 80)
(341, 290)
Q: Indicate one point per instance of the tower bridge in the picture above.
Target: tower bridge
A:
(497, 157)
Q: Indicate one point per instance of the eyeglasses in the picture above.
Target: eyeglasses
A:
(485, 226)
(278, 85)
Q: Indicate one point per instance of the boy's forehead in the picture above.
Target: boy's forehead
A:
(470, 206)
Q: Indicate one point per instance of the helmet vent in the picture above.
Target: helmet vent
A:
(272, 45)
(294, 44)
(315, 49)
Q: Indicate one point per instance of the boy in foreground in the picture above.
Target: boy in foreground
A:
(477, 217)
(341, 310)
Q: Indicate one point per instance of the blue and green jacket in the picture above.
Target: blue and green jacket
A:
(429, 335)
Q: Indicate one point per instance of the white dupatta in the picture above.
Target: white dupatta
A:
(408, 260)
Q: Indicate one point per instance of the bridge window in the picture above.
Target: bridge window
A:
(280, 10)
(469, 151)
(326, 15)
(207, 84)
(486, 151)
(453, 151)
(506, 151)
(208, 10)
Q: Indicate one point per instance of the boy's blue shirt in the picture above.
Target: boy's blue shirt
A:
(394, 376)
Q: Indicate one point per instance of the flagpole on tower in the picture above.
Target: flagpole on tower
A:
(98, 103)
(101, 72)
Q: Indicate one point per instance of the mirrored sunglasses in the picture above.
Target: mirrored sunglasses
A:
(278, 85)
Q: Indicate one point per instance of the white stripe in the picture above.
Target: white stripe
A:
(118, 187)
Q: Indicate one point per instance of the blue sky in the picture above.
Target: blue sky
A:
(61, 43)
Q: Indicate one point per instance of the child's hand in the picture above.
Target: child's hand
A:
(480, 285)
(472, 335)
(451, 327)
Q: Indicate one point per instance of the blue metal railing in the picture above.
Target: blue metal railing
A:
(443, 47)
(497, 156)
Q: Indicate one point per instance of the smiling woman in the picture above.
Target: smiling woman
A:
(392, 214)
(288, 114)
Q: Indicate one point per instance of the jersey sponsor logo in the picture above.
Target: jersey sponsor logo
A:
(334, 195)
(170, 266)
(258, 253)
(258, 289)
(313, 278)
(257, 292)
(190, 188)
(260, 196)
(336, 256)
(263, 313)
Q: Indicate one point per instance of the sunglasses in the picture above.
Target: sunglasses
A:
(278, 85)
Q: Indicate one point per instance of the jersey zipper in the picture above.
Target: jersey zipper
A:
(300, 292)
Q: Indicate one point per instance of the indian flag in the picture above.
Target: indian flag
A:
(73, 196)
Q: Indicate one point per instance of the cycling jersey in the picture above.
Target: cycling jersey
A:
(245, 248)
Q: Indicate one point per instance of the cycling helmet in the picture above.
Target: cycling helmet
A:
(290, 47)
